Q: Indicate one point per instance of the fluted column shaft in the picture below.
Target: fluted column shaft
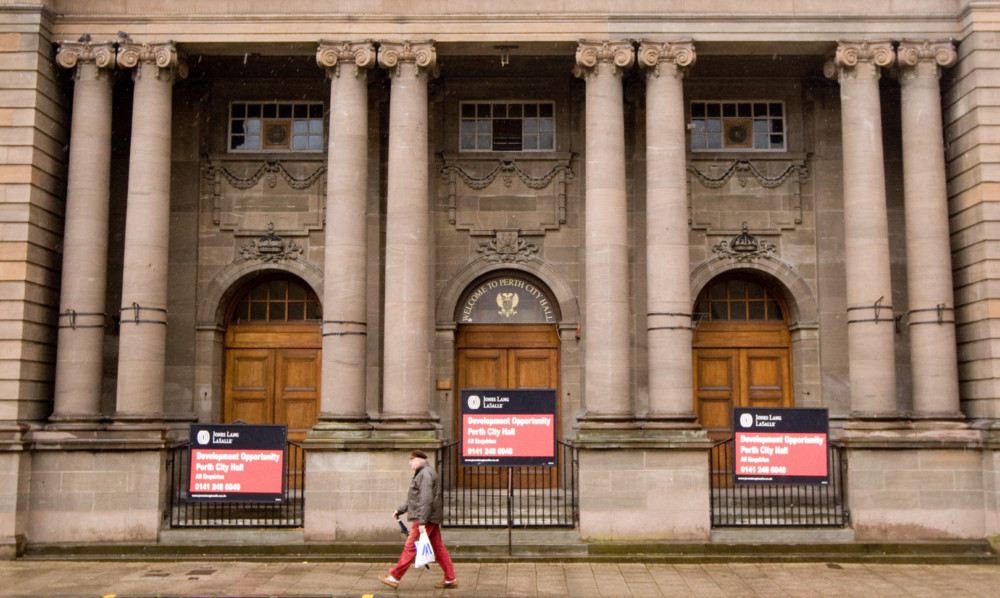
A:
(407, 349)
(870, 323)
(142, 344)
(933, 351)
(80, 349)
(345, 300)
(607, 354)
(668, 317)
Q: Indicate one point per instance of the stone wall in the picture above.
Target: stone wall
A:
(96, 496)
(351, 494)
(972, 147)
(911, 493)
(33, 136)
(644, 494)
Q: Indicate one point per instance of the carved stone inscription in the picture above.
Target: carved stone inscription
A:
(507, 299)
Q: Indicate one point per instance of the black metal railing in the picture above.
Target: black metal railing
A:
(184, 512)
(792, 505)
(510, 496)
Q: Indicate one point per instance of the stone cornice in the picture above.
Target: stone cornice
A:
(102, 54)
(164, 55)
(422, 54)
(678, 55)
(589, 54)
(332, 54)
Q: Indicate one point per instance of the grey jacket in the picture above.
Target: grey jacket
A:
(423, 502)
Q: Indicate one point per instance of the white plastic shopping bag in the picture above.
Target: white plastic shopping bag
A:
(425, 554)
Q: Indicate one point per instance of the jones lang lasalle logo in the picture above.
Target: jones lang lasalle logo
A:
(474, 402)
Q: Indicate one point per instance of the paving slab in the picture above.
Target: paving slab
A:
(633, 577)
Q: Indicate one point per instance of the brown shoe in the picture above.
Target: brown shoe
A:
(446, 584)
(385, 579)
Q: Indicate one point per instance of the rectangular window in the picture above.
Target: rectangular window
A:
(276, 127)
(737, 126)
(507, 126)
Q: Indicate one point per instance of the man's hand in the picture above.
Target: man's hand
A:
(423, 529)
(395, 514)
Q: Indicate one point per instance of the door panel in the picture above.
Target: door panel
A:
(297, 390)
(248, 386)
(767, 378)
(533, 368)
(716, 388)
(482, 368)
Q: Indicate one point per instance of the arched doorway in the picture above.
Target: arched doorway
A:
(741, 351)
(272, 355)
(507, 338)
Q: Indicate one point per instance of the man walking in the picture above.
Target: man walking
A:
(423, 504)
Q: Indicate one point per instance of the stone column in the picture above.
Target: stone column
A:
(142, 345)
(606, 331)
(407, 346)
(668, 317)
(80, 349)
(345, 298)
(870, 323)
(933, 351)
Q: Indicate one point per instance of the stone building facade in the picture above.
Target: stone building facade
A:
(214, 213)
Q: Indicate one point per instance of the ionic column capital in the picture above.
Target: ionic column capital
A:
(422, 54)
(675, 56)
(925, 57)
(163, 55)
(856, 59)
(332, 54)
(100, 54)
(589, 54)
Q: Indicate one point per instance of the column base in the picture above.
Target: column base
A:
(670, 421)
(76, 421)
(340, 429)
(860, 420)
(938, 420)
(138, 421)
(406, 426)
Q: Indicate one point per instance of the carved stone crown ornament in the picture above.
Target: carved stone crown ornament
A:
(331, 55)
(163, 55)
(423, 54)
(270, 248)
(589, 54)
(674, 55)
(744, 247)
(102, 54)
(507, 247)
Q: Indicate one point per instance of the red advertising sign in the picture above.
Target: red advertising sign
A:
(781, 446)
(508, 427)
(237, 463)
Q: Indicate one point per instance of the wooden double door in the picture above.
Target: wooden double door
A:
(506, 356)
(273, 376)
(739, 366)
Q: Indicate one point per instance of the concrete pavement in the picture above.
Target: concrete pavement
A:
(32, 577)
